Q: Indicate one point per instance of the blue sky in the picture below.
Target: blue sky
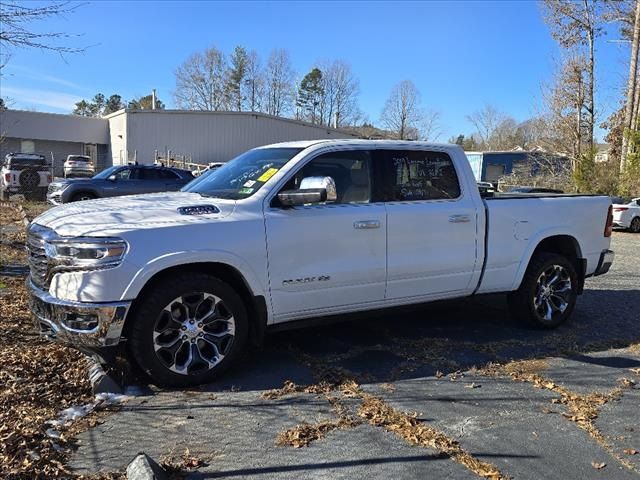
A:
(460, 54)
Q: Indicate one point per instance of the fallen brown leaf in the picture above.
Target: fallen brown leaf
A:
(630, 451)
(598, 465)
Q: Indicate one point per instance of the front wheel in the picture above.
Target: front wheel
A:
(79, 197)
(188, 329)
(548, 292)
(635, 225)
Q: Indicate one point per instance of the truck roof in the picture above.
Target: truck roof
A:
(346, 142)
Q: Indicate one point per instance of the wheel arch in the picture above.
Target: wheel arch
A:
(562, 244)
(73, 194)
(256, 304)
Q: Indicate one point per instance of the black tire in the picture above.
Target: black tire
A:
(533, 301)
(634, 227)
(80, 196)
(151, 314)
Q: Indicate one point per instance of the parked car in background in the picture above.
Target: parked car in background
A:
(535, 190)
(211, 166)
(627, 215)
(27, 174)
(119, 180)
(182, 281)
(78, 166)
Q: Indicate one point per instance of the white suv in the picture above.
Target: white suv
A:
(78, 166)
(25, 173)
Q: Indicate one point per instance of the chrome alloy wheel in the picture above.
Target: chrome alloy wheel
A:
(553, 292)
(193, 333)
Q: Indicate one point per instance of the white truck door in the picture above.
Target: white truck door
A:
(431, 223)
(330, 256)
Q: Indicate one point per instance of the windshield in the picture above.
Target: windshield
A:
(103, 175)
(244, 175)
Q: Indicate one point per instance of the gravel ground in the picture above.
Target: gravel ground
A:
(453, 390)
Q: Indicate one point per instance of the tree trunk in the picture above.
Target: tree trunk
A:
(590, 99)
(631, 108)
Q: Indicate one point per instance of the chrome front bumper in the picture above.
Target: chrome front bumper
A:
(80, 324)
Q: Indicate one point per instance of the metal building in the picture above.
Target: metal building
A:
(201, 136)
(144, 135)
(54, 136)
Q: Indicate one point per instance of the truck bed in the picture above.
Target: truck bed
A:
(519, 222)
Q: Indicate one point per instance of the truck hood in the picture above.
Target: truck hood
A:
(114, 216)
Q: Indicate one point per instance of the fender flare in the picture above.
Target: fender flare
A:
(534, 242)
(183, 258)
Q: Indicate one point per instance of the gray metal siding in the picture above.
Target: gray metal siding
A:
(211, 137)
(60, 150)
(52, 126)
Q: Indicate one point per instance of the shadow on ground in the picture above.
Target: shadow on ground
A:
(444, 337)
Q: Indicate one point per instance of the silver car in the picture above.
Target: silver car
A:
(78, 166)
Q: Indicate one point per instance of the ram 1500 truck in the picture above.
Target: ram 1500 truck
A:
(184, 281)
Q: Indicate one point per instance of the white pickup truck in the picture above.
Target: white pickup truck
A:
(185, 280)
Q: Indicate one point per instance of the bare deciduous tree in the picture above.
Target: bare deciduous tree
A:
(279, 83)
(339, 103)
(16, 18)
(631, 105)
(494, 129)
(254, 83)
(565, 104)
(575, 26)
(429, 127)
(402, 113)
(200, 81)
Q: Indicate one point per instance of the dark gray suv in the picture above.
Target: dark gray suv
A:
(119, 180)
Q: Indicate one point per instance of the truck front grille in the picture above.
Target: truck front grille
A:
(39, 265)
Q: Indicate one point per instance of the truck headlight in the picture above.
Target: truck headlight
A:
(86, 253)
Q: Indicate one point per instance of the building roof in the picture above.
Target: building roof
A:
(224, 113)
(53, 126)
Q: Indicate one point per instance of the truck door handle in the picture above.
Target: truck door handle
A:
(366, 224)
(459, 218)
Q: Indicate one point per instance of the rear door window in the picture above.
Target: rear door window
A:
(168, 175)
(414, 175)
(150, 174)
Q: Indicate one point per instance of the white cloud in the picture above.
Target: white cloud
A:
(41, 76)
(27, 98)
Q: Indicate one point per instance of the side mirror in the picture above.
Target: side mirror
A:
(112, 178)
(312, 190)
(292, 198)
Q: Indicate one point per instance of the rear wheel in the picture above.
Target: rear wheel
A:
(78, 197)
(548, 292)
(635, 225)
(188, 330)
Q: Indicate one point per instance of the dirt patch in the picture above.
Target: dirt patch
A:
(302, 435)
(12, 237)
